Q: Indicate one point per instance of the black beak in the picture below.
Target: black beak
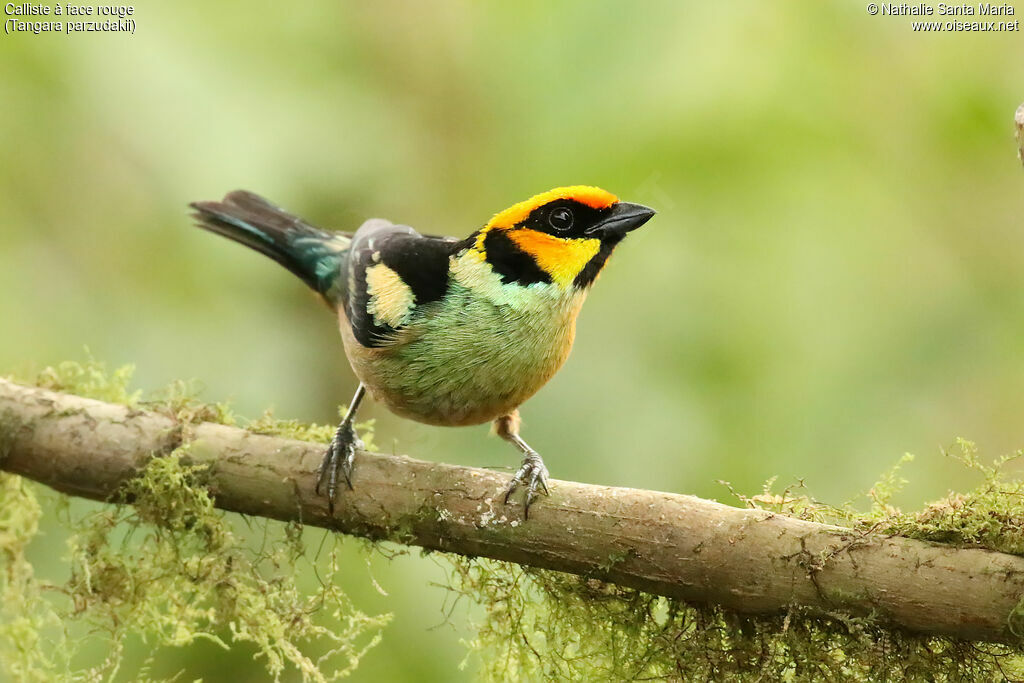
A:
(621, 219)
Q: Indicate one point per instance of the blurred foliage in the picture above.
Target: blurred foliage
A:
(833, 277)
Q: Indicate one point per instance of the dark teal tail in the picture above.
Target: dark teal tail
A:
(314, 255)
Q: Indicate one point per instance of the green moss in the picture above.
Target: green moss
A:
(543, 625)
(180, 400)
(90, 379)
(184, 575)
(171, 567)
(295, 429)
(164, 564)
(990, 515)
(27, 619)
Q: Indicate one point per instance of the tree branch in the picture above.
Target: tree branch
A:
(750, 561)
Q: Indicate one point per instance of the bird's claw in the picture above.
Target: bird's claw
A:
(533, 474)
(339, 457)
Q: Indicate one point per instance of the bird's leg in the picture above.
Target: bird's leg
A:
(341, 452)
(532, 473)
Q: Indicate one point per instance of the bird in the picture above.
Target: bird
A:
(441, 330)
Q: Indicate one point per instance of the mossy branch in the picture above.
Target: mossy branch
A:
(748, 561)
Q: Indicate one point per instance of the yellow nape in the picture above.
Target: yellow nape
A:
(560, 258)
(594, 197)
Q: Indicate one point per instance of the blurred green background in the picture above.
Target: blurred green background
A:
(835, 276)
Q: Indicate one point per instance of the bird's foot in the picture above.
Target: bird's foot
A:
(532, 474)
(339, 458)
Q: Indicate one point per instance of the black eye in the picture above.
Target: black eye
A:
(560, 218)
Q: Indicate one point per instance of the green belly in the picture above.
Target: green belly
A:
(467, 360)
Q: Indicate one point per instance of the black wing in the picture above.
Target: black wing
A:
(391, 271)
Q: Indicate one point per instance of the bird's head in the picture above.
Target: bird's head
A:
(563, 236)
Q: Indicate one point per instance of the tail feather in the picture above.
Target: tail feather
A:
(312, 254)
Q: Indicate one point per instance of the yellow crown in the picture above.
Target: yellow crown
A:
(594, 197)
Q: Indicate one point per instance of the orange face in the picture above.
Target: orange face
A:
(561, 237)
(561, 258)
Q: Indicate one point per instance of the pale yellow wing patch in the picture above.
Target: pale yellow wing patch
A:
(390, 300)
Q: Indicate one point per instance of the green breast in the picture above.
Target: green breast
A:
(471, 357)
